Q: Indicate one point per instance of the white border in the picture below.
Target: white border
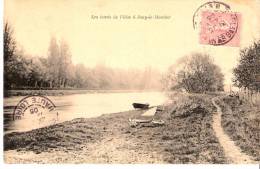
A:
(97, 166)
(1, 81)
(128, 166)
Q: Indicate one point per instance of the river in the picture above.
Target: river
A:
(79, 106)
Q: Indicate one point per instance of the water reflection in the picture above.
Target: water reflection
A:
(77, 106)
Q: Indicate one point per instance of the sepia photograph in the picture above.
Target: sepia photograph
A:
(131, 82)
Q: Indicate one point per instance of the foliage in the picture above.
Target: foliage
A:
(248, 67)
(196, 73)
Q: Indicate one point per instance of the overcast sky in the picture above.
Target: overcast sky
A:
(125, 43)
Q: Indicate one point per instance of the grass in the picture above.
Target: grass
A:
(241, 121)
(58, 136)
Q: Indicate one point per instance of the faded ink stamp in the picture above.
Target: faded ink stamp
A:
(217, 24)
(38, 110)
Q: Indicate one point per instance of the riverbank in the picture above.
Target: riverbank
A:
(106, 139)
(186, 137)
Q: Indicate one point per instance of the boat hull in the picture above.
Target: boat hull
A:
(140, 106)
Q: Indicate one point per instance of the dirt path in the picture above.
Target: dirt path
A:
(232, 152)
(118, 149)
(114, 149)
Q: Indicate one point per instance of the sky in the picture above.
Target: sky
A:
(126, 43)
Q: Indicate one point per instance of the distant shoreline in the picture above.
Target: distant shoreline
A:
(60, 92)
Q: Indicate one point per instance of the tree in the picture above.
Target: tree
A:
(104, 75)
(195, 73)
(53, 63)
(37, 73)
(248, 68)
(13, 62)
(9, 43)
(9, 50)
(169, 79)
(80, 76)
(65, 64)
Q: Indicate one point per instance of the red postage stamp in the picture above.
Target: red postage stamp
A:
(220, 28)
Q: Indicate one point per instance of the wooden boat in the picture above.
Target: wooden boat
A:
(140, 106)
(140, 120)
(149, 122)
(158, 122)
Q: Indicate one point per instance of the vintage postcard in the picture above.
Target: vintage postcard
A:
(130, 82)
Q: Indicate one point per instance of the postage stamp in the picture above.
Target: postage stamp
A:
(39, 108)
(217, 24)
(218, 28)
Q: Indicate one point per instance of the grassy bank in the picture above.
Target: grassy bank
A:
(241, 121)
(64, 136)
(186, 137)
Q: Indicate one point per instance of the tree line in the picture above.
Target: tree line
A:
(56, 70)
(195, 73)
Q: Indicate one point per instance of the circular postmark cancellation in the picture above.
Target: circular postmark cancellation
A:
(218, 24)
(209, 6)
(39, 108)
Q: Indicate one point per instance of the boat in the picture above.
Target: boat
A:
(140, 120)
(150, 122)
(140, 106)
(158, 122)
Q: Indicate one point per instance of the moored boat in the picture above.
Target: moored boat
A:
(140, 106)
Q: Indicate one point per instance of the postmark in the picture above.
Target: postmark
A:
(214, 6)
(217, 24)
(36, 108)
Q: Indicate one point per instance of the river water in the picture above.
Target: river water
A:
(78, 106)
